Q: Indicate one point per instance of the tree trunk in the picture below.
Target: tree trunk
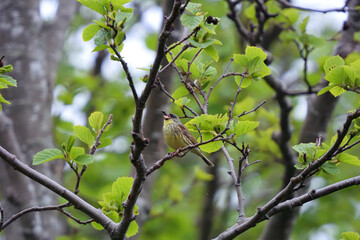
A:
(34, 48)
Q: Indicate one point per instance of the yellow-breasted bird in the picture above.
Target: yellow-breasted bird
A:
(178, 136)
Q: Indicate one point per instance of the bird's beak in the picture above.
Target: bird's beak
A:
(166, 115)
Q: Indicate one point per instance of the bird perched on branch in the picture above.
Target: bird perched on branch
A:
(178, 136)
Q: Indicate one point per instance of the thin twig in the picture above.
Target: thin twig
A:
(91, 152)
(127, 72)
(287, 4)
(160, 85)
(219, 79)
(186, 46)
(33, 209)
(183, 40)
(253, 110)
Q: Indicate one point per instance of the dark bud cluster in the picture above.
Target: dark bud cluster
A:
(212, 20)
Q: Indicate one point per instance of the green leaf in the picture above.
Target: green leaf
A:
(180, 92)
(96, 120)
(100, 48)
(102, 23)
(211, 51)
(124, 15)
(102, 36)
(90, 31)
(132, 230)
(303, 24)
(6, 69)
(333, 62)
(336, 75)
(253, 52)
(211, 146)
(350, 236)
(191, 21)
(300, 166)
(305, 148)
(325, 89)
(8, 80)
(349, 159)
(119, 38)
(337, 91)
(94, 5)
(204, 44)
(97, 226)
(47, 155)
(181, 102)
(76, 152)
(84, 134)
(250, 12)
(105, 142)
(194, 8)
(121, 188)
(2, 100)
(208, 123)
(288, 16)
(70, 143)
(330, 168)
(85, 159)
(243, 127)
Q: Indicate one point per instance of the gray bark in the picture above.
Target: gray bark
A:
(34, 48)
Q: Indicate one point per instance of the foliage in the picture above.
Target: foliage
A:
(220, 87)
(5, 80)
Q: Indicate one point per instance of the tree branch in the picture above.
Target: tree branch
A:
(262, 212)
(75, 200)
(314, 194)
(139, 143)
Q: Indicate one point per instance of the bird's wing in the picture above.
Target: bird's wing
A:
(188, 135)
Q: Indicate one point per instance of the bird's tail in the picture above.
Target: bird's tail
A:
(207, 161)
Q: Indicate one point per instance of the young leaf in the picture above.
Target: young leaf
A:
(96, 120)
(350, 236)
(47, 155)
(191, 21)
(97, 226)
(8, 80)
(84, 134)
(180, 92)
(6, 69)
(211, 146)
(330, 168)
(211, 51)
(90, 31)
(305, 148)
(132, 230)
(349, 159)
(182, 101)
(85, 159)
(337, 91)
(333, 62)
(70, 143)
(105, 142)
(94, 5)
(76, 151)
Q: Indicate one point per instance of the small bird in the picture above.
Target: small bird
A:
(178, 136)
